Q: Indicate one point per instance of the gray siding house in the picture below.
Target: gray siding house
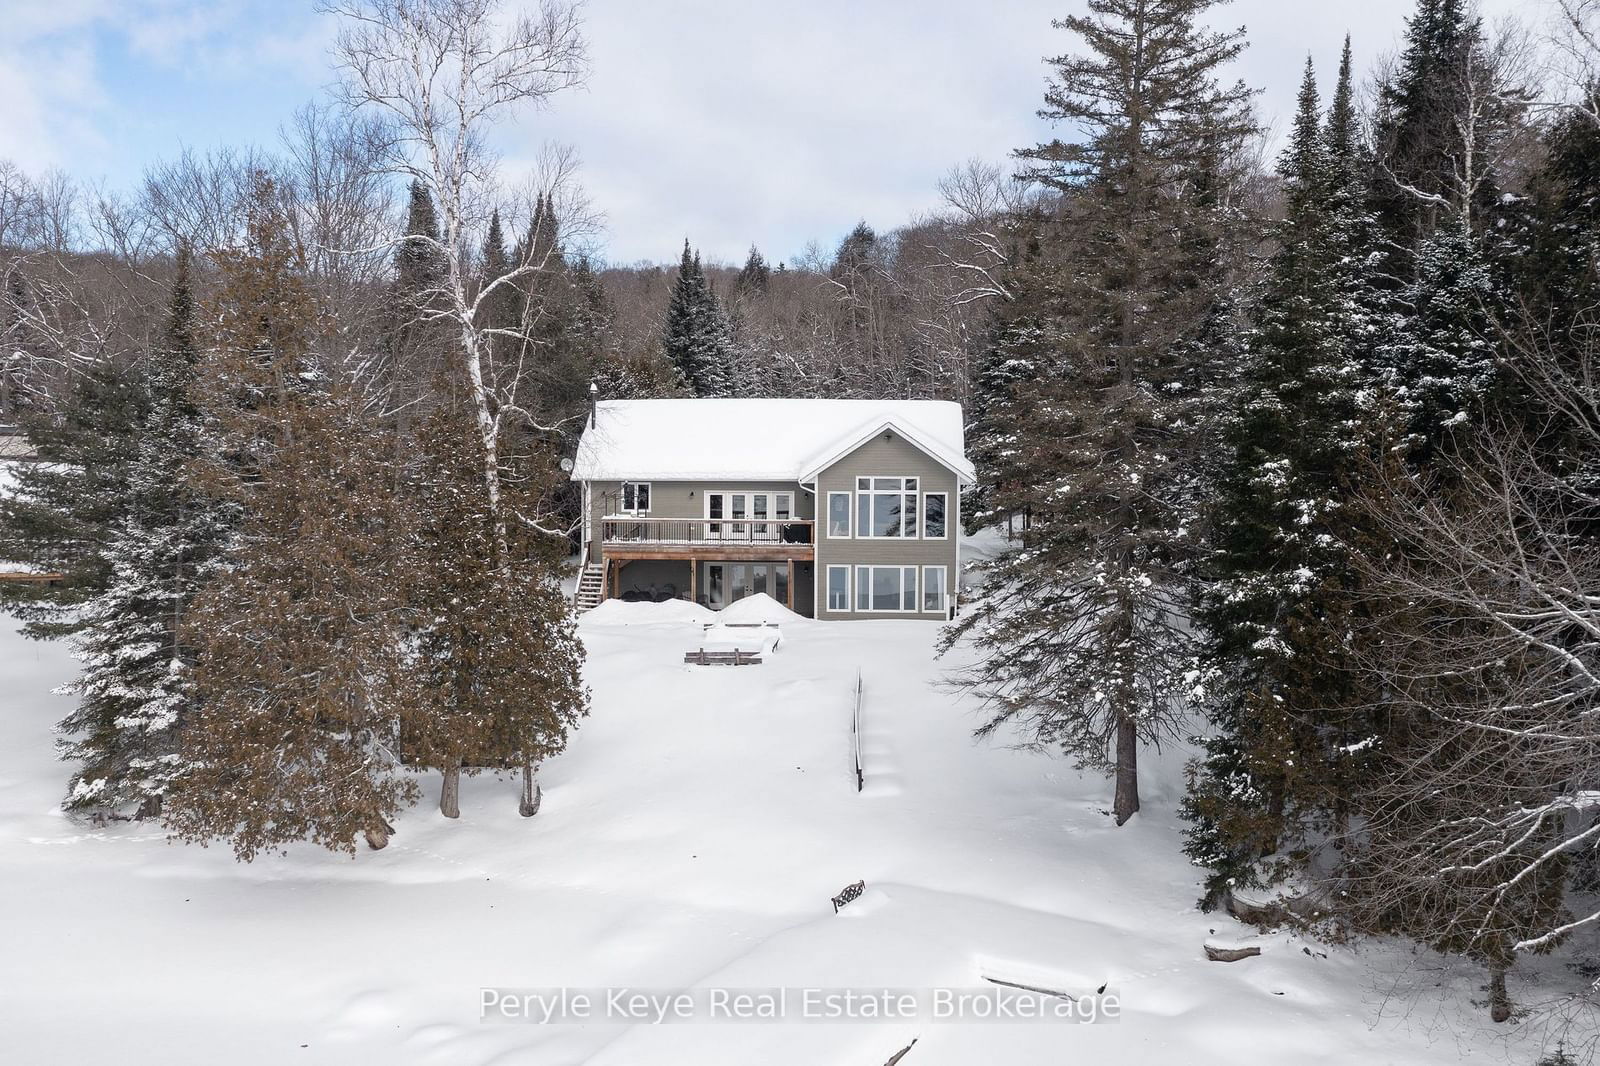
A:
(837, 508)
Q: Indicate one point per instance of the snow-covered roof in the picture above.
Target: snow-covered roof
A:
(755, 440)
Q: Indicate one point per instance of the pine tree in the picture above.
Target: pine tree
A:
(1082, 639)
(300, 674)
(697, 337)
(61, 513)
(299, 636)
(1446, 365)
(419, 269)
(754, 276)
(857, 272)
(1442, 119)
(502, 307)
(1019, 350)
(15, 392)
(1553, 251)
(495, 675)
(416, 346)
(1276, 767)
(135, 690)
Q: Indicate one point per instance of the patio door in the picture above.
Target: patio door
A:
(767, 513)
(733, 505)
(730, 582)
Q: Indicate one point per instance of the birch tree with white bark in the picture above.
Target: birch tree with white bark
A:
(441, 74)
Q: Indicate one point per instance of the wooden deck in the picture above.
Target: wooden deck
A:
(630, 538)
(641, 537)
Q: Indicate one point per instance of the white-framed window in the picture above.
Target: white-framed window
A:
(740, 506)
(838, 588)
(636, 497)
(838, 514)
(886, 588)
(935, 508)
(933, 590)
(886, 507)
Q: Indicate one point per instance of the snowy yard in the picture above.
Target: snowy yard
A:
(691, 837)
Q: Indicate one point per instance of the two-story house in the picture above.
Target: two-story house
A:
(836, 508)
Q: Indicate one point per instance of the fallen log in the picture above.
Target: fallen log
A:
(1216, 954)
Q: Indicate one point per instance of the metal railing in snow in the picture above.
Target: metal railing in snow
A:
(855, 735)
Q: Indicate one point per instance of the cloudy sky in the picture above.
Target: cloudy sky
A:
(729, 122)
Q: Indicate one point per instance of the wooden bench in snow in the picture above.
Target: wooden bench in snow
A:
(722, 658)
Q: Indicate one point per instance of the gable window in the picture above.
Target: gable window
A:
(636, 497)
(838, 514)
(933, 590)
(838, 588)
(933, 511)
(886, 507)
(886, 588)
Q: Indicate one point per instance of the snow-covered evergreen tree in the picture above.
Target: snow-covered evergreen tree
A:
(1082, 638)
(1443, 366)
(135, 689)
(697, 337)
(62, 512)
(1278, 572)
(1442, 119)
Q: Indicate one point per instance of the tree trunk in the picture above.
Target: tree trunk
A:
(1499, 1000)
(532, 794)
(1126, 803)
(450, 792)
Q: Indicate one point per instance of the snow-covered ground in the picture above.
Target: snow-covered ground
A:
(690, 838)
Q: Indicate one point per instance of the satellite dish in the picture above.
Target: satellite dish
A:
(566, 465)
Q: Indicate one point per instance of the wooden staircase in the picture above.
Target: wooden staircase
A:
(591, 587)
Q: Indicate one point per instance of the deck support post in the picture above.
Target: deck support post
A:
(694, 580)
(788, 587)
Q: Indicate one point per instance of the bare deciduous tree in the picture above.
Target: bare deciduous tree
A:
(1488, 670)
(440, 73)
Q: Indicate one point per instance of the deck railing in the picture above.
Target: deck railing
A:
(776, 532)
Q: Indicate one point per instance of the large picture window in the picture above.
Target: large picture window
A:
(838, 514)
(636, 497)
(886, 507)
(933, 515)
(838, 588)
(933, 590)
(886, 588)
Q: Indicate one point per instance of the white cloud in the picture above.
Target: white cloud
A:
(734, 122)
(726, 121)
